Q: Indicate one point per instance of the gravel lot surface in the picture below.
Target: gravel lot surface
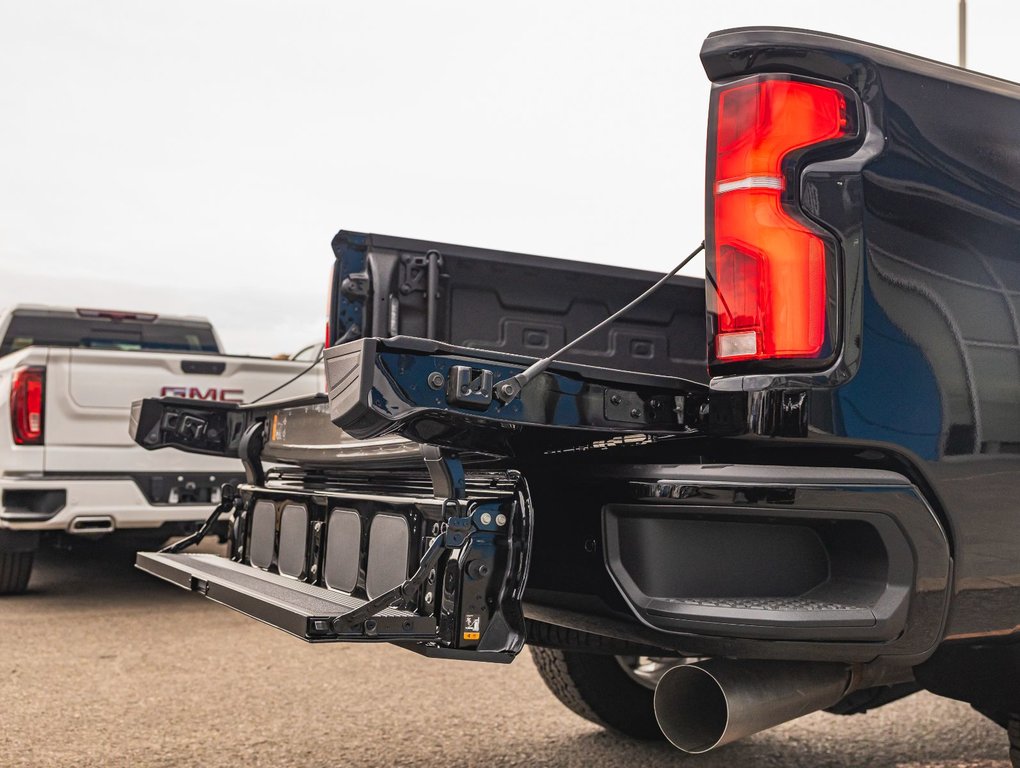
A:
(102, 665)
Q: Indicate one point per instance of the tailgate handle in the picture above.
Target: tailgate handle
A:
(203, 366)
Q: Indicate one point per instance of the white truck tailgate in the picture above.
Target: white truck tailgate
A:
(89, 395)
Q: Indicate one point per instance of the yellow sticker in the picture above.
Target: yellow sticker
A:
(472, 635)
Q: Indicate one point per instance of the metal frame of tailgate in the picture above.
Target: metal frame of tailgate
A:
(441, 394)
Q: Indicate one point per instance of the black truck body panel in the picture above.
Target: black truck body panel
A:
(855, 508)
(927, 213)
(440, 394)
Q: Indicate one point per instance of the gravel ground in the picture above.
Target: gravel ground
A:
(102, 665)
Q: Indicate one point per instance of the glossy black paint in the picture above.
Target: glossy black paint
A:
(404, 385)
(927, 216)
(923, 382)
(575, 579)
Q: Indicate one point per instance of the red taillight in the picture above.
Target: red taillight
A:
(767, 269)
(27, 388)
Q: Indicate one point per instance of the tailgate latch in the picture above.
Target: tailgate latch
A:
(469, 387)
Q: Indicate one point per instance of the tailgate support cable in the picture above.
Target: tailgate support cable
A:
(507, 390)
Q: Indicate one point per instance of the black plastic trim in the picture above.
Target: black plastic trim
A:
(907, 613)
(32, 505)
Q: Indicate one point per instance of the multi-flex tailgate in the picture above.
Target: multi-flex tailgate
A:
(442, 394)
(368, 562)
(295, 432)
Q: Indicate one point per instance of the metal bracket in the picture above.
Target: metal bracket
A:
(435, 262)
(228, 500)
(458, 531)
(355, 285)
(446, 472)
(469, 387)
(249, 450)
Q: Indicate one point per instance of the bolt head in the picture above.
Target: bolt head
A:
(436, 380)
(428, 598)
(500, 519)
(486, 518)
(507, 389)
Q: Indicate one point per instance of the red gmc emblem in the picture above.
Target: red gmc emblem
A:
(221, 395)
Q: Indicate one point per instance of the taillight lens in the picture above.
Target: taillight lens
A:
(767, 269)
(27, 390)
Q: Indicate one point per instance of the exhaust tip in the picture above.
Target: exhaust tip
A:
(702, 706)
(92, 524)
(691, 709)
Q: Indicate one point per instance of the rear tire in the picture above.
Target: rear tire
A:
(596, 687)
(15, 570)
(1013, 729)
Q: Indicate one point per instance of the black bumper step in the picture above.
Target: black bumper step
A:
(302, 609)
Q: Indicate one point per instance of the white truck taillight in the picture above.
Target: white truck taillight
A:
(28, 385)
(766, 263)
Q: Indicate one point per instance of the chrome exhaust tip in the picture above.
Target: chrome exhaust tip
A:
(91, 524)
(702, 706)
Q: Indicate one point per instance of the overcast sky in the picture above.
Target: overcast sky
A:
(197, 157)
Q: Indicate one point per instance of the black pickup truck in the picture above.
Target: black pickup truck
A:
(826, 523)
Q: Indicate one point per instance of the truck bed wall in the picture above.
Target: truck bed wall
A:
(523, 304)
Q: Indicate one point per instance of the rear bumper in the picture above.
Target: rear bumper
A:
(69, 504)
(748, 561)
(782, 553)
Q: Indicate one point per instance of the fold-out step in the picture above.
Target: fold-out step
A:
(302, 609)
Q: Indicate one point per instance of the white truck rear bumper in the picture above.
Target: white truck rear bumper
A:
(88, 505)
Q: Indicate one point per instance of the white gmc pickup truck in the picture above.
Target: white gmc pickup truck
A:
(68, 466)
